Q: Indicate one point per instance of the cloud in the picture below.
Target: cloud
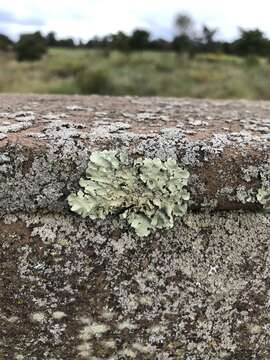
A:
(7, 17)
(87, 18)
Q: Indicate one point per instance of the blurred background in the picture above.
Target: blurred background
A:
(208, 49)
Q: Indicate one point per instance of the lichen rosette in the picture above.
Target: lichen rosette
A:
(148, 193)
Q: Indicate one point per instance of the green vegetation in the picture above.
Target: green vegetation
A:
(70, 71)
(5, 43)
(191, 39)
(30, 47)
(148, 193)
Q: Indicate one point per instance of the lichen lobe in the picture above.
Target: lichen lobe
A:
(148, 193)
(263, 196)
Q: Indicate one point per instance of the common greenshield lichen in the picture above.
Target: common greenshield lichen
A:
(148, 193)
(263, 196)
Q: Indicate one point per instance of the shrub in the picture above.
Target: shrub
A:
(5, 43)
(95, 81)
(68, 69)
(30, 47)
(252, 60)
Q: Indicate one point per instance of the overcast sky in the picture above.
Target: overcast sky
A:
(82, 19)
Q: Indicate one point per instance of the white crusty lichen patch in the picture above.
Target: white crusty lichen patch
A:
(148, 193)
(263, 196)
(135, 295)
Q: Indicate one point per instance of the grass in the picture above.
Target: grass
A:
(64, 71)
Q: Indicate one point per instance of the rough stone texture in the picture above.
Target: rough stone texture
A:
(70, 286)
(45, 143)
(79, 289)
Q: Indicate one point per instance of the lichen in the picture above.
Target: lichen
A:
(148, 193)
(263, 196)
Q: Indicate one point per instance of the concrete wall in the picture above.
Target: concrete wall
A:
(73, 288)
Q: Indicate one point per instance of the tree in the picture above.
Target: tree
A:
(208, 39)
(66, 43)
(93, 43)
(252, 42)
(160, 44)
(120, 41)
(208, 42)
(139, 40)
(30, 47)
(51, 40)
(185, 25)
(185, 41)
(5, 42)
(183, 44)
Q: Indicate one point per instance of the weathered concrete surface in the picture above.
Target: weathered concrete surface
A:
(79, 289)
(74, 289)
(46, 141)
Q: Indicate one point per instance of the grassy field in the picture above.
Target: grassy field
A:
(82, 71)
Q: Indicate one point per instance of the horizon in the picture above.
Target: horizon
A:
(82, 21)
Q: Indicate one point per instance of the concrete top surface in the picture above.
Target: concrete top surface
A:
(196, 119)
(45, 143)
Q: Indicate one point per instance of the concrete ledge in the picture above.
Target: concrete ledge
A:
(45, 142)
(81, 289)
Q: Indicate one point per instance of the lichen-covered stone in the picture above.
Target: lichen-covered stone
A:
(45, 146)
(73, 288)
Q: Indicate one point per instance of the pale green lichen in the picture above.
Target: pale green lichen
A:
(148, 193)
(263, 196)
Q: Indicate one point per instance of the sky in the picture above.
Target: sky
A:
(83, 19)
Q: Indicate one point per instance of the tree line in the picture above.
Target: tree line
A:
(187, 40)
